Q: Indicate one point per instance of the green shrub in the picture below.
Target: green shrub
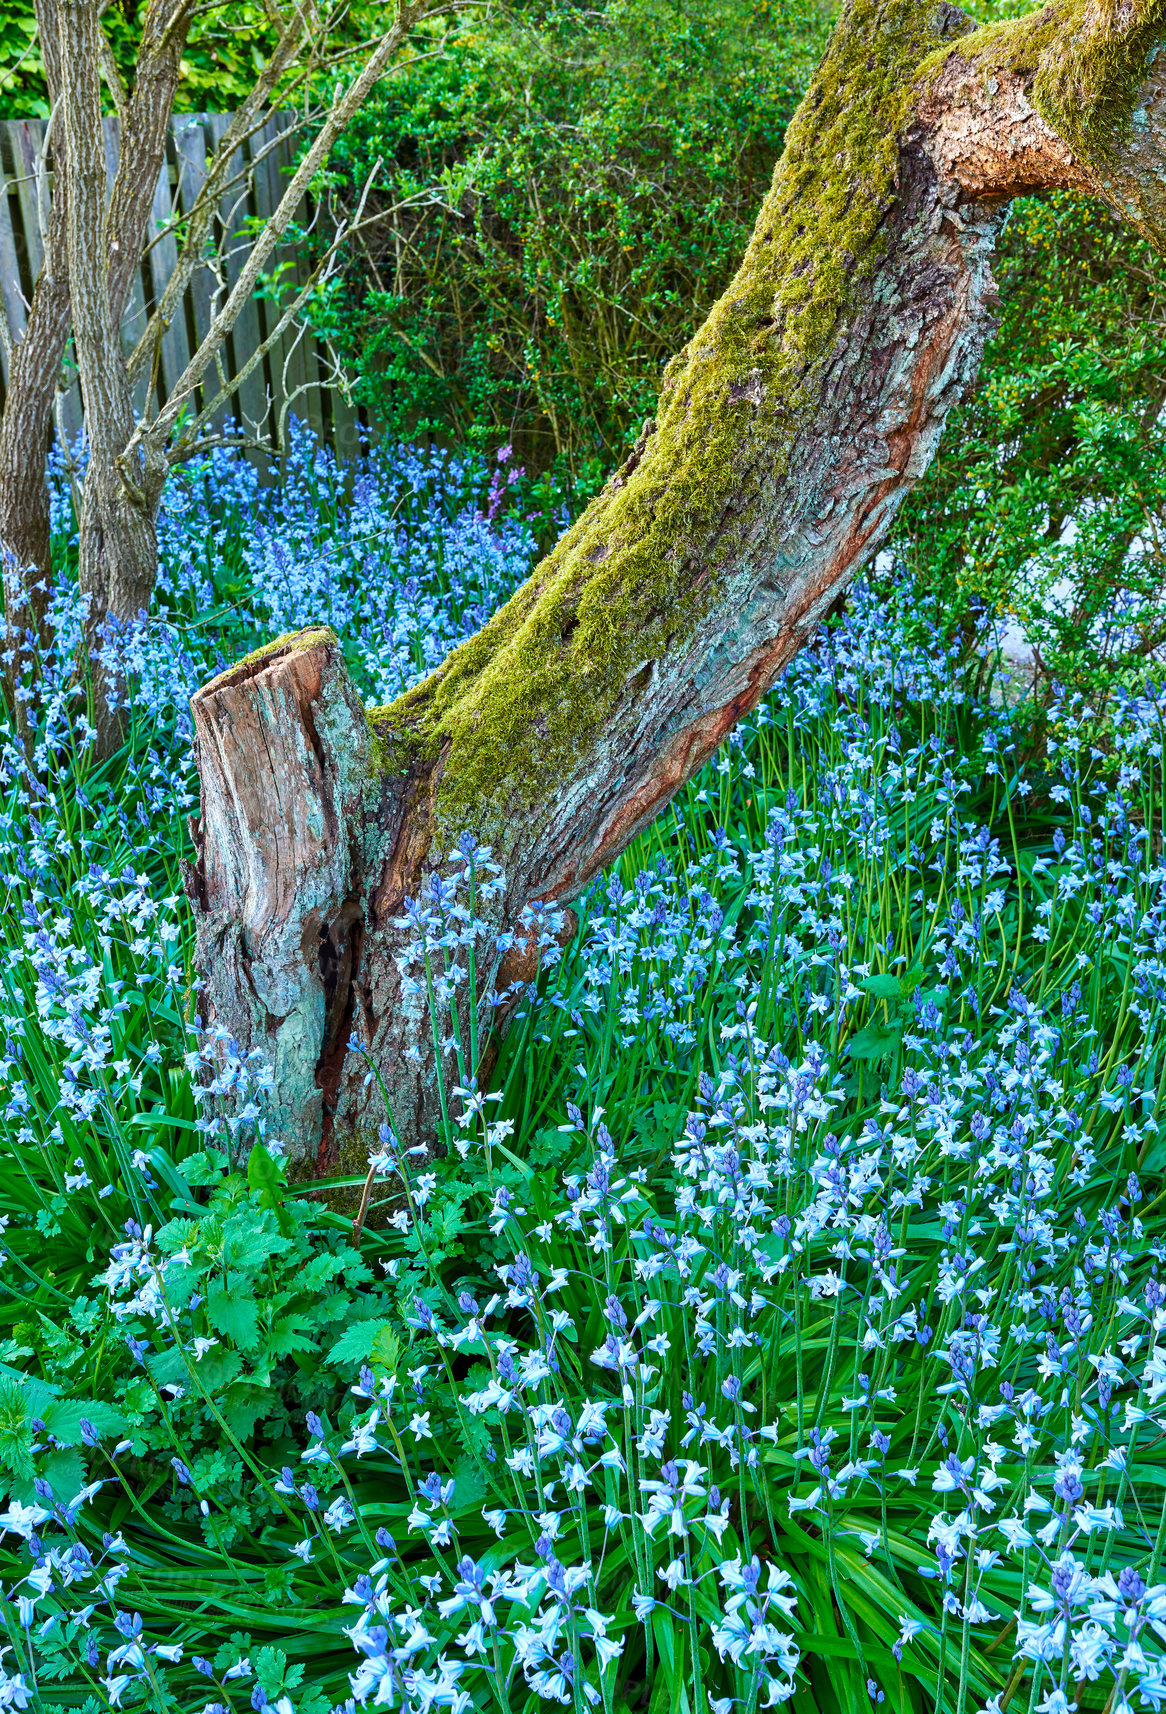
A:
(578, 185)
(1047, 501)
(226, 47)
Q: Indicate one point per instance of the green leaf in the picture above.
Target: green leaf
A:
(265, 1175)
(273, 1672)
(205, 1168)
(876, 1041)
(356, 1343)
(232, 1312)
(885, 987)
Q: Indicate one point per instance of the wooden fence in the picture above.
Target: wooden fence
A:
(295, 374)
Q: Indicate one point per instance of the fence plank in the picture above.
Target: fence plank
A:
(294, 369)
(301, 389)
(24, 137)
(345, 431)
(288, 368)
(251, 398)
(190, 148)
(11, 239)
(161, 257)
(13, 297)
(316, 415)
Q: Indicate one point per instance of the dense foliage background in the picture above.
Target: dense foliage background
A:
(578, 185)
(228, 43)
(1047, 501)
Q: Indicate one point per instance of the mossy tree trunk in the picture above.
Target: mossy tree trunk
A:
(787, 433)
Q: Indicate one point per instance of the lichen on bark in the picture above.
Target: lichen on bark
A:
(1084, 60)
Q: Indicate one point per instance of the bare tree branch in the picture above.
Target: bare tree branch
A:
(344, 106)
(142, 145)
(179, 452)
(251, 116)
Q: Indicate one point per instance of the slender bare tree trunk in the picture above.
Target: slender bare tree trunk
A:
(26, 422)
(118, 543)
(25, 430)
(786, 435)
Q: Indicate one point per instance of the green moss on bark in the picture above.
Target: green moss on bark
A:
(513, 709)
(1087, 86)
(307, 639)
(1084, 82)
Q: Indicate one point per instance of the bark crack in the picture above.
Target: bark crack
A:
(340, 943)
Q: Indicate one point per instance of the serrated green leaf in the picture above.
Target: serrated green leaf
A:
(356, 1343)
(875, 1041)
(233, 1313)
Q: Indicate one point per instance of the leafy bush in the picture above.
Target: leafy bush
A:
(563, 194)
(226, 46)
(785, 1319)
(1047, 500)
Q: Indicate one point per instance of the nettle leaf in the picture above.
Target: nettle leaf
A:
(357, 1343)
(65, 1473)
(249, 1238)
(243, 1406)
(63, 1417)
(319, 1270)
(167, 1367)
(882, 987)
(267, 1176)
(232, 1311)
(177, 1233)
(218, 1369)
(874, 1042)
(181, 1284)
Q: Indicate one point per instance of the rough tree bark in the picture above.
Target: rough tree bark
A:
(118, 548)
(786, 435)
(26, 418)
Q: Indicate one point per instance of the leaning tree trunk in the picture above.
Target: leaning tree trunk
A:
(786, 435)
